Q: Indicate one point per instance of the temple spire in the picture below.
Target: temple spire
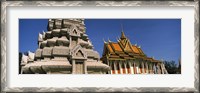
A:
(122, 33)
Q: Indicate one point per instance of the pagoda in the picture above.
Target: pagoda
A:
(125, 58)
(64, 49)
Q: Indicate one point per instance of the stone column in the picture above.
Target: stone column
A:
(73, 66)
(147, 68)
(108, 64)
(126, 71)
(131, 67)
(85, 67)
(154, 69)
(111, 68)
(120, 67)
(150, 68)
(162, 67)
(143, 68)
(158, 69)
(134, 68)
(115, 68)
(139, 69)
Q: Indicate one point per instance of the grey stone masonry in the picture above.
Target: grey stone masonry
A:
(67, 43)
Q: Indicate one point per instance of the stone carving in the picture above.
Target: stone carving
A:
(52, 42)
(40, 37)
(31, 55)
(63, 41)
(38, 53)
(57, 23)
(47, 51)
(74, 31)
(60, 51)
(43, 36)
(65, 48)
(43, 44)
(24, 59)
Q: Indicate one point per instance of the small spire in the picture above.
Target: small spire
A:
(118, 40)
(109, 40)
(104, 41)
(139, 46)
(43, 32)
(123, 35)
(122, 32)
(136, 44)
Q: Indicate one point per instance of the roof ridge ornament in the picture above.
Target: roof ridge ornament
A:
(117, 39)
(135, 44)
(104, 41)
(123, 35)
(122, 32)
(109, 40)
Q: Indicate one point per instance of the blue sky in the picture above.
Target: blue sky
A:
(158, 38)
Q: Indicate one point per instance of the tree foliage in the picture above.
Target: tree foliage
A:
(171, 67)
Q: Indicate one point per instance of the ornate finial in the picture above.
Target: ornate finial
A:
(104, 41)
(43, 36)
(40, 37)
(109, 40)
(139, 46)
(122, 27)
(43, 32)
(123, 35)
(135, 44)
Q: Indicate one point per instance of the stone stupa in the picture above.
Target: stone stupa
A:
(64, 49)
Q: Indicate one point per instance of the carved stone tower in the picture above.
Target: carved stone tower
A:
(65, 48)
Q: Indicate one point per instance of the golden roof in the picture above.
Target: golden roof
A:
(123, 49)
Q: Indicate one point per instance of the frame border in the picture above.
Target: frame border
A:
(5, 4)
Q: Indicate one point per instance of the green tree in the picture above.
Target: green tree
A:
(171, 67)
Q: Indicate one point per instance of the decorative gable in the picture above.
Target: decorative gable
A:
(128, 47)
(74, 31)
(78, 52)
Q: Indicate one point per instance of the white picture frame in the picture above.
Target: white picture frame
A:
(5, 54)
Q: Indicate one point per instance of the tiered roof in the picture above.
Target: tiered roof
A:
(123, 50)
